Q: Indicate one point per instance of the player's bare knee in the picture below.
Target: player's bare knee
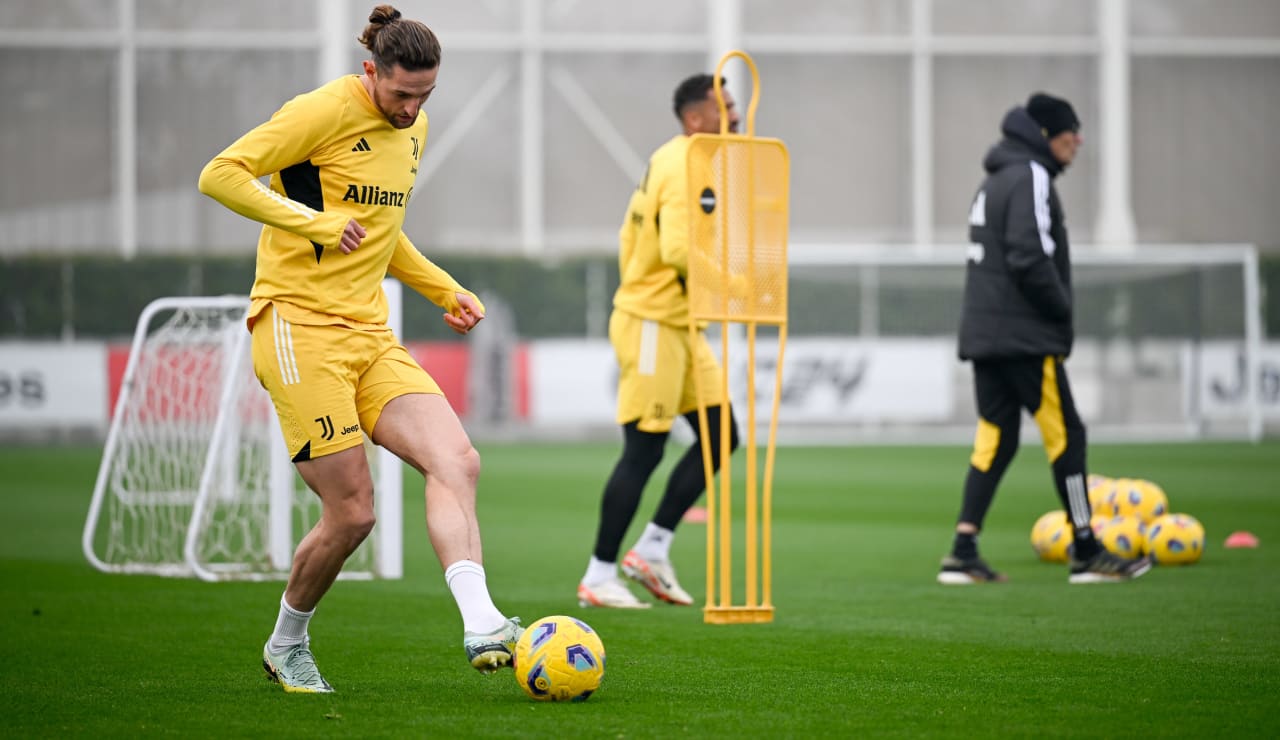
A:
(459, 470)
(363, 526)
(469, 466)
(356, 524)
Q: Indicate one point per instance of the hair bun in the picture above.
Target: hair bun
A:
(384, 14)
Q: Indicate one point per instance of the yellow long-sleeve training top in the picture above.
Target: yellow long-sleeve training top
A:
(653, 243)
(332, 156)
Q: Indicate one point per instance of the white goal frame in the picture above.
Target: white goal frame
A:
(1245, 256)
(387, 558)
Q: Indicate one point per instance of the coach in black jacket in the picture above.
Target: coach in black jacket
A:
(1016, 329)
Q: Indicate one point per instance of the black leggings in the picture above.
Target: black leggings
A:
(641, 453)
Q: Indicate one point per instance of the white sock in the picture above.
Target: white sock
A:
(598, 571)
(655, 543)
(291, 627)
(466, 581)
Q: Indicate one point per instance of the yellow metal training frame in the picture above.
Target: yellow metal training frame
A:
(738, 274)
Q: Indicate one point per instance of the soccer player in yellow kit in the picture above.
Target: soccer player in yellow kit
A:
(657, 364)
(342, 160)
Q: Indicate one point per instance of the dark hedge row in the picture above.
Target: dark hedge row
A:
(102, 298)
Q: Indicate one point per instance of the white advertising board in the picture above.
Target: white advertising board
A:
(1220, 379)
(841, 380)
(53, 385)
(572, 381)
(824, 380)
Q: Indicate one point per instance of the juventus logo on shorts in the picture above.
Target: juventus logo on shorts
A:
(326, 428)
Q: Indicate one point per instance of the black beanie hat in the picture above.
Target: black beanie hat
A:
(1054, 115)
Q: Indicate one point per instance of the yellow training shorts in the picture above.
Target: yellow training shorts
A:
(330, 383)
(656, 371)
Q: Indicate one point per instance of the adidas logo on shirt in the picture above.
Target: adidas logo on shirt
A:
(361, 146)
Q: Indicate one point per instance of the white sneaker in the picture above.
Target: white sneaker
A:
(612, 594)
(295, 669)
(489, 652)
(656, 575)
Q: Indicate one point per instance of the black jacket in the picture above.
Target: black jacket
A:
(1017, 293)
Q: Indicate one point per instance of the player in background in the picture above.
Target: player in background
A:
(657, 363)
(1016, 328)
(342, 160)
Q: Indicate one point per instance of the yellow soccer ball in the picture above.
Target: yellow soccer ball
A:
(1096, 479)
(1051, 536)
(1107, 497)
(1175, 539)
(1152, 502)
(1133, 497)
(1098, 486)
(1125, 536)
(559, 658)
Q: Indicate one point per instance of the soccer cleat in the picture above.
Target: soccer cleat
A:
(1107, 567)
(295, 670)
(957, 572)
(611, 594)
(490, 651)
(656, 575)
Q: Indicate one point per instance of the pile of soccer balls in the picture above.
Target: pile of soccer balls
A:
(559, 658)
(1130, 518)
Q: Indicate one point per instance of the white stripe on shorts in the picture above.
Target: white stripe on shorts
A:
(284, 351)
(648, 363)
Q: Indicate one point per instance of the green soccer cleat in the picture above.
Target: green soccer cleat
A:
(295, 670)
(491, 651)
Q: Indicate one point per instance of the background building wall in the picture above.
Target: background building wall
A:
(547, 109)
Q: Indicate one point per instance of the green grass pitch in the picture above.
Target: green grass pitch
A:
(864, 642)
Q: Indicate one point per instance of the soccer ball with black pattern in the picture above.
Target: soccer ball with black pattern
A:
(559, 658)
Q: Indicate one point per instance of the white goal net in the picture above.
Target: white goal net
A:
(1168, 343)
(195, 479)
